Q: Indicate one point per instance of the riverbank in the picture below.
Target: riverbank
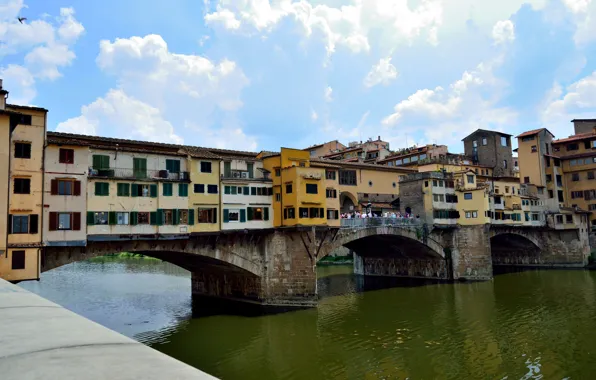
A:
(335, 260)
(124, 255)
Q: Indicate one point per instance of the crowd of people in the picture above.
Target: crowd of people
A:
(364, 214)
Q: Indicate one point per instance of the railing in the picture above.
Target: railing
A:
(139, 174)
(377, 222)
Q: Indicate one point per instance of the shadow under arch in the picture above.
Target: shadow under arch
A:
(348, 202)
(514, 249)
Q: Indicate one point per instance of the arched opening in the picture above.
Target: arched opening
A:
(514, 249)
(397, 256)
(348, 202)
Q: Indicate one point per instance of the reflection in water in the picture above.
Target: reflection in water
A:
(530, 325)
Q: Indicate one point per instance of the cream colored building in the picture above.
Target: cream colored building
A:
(22, 138)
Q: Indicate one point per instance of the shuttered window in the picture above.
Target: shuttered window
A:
(101, 162)
(167, 189)
(173, 166)
(102, 189)
(183, 190)
(123, 189)
(66, 156)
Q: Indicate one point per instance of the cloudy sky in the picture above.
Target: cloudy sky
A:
(257, 74)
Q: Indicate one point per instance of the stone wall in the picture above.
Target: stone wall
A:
(396, 267)
(469, 249)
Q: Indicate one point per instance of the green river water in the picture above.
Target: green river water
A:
(525, 325)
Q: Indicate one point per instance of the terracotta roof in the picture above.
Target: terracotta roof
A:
(577, 137)
(343, 151)
(485, 131)
(9, 112)
(27, 107)
(265, 154)
(199, 152)
(534, 132)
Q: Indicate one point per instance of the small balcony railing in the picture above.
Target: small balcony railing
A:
(378, 222)
(133, 174)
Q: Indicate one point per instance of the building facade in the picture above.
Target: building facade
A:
(22, 139)
(416, 155)
(492, 149)
(320, 150)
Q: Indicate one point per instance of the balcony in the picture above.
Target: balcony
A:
(377, 222)
(139, 175)
(245, 175)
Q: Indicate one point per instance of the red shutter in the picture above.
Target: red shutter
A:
(54, 187)
(77, 188)
(53, 221)
(76, 221)
(62, 155)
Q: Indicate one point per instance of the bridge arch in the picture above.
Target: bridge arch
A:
(348, 202)
(511, 247)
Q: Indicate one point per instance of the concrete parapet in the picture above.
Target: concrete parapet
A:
(42, 340)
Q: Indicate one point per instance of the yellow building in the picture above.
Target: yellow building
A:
(472, 199)
(204, 197)
(299, 193)
(22, 139)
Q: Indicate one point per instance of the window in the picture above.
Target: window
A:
(330, 174)
(65, 221)
(167, 189)
(484, 141)
(571, 147)
(560, 196)
(182, 217)
(569, 218)
(467, 196)
(314, 212)
(573, 162)
(20, 224)
(505, 164)
(22, 186)
(302, 164)
(277, 197)
(312, 188)
(100, 218)
(65, 187)
(347, 177)
(471, 214)
(575, 177)
(303, 212)
(102, 189)
(577, 194)
(526, 179)
(407, 160)
(18, 260)
(289, 213)
(123, 189)
(257, 213)
(101, 162)
(398, 162)
(438, 198)
(435, 183)
(122, 218)
(143, 218)
(207, 215)
(183, 189)
(143, 190)
(497, 200)
(199, 188)
(22, 150)
(66, 156)
(288, 188)
(527, 138)
(233, 215)
(504, 141)
(534, 149)
(277, 172)
(212, 189)
(475, 144)
(559, 219)
(139, 167)
(168, 218)
(205, 167)
(590, 175)
(331, 193)
(173, 166)
(332, 214)
(549, 178)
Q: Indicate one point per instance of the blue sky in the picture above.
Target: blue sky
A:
(253, 75)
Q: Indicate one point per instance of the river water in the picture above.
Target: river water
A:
(525, 325)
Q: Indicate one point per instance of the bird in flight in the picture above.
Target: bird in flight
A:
(21, 19)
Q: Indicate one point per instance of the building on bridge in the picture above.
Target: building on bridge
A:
(22, 135)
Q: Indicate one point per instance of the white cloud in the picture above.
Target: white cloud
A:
(45, 45)
(381, 73)
(328, 94)
(577, 6)
(314, 116)
(19, 81)
(503, 31)
(584, 16)
(131, 117)
(354, 23)
(159, 90)
(576, 102)
(447, 115)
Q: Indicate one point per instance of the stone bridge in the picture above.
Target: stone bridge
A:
(277, 267)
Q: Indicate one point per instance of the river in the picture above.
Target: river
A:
(525, 325)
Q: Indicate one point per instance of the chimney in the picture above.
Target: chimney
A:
(3, 96)
(379, 138)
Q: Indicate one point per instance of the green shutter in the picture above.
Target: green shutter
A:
(245, 190)
(90, 218)
(226, 216)
(227, 190)
(175, 216)
(265, 213)
(123, 189)
(191, 216)
(173, 166)
(134, 215)
(134, 190)
(139, 166)
(153, 191)
(227, 169)
(160, 217)
(153, 218)
(105, 162)
(250, 213)
(96, 162)
(98, 188)
(112, 218)
(166, 189)
(253, 191)
(242, 215)
(183, 190)
(249, 168)
(234, 190)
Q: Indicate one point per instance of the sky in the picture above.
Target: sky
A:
(259, 75)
